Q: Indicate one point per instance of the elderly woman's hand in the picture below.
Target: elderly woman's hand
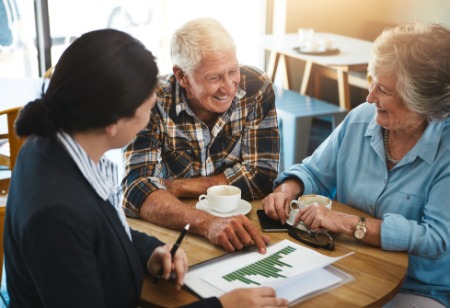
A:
(276, 205)
(317, 217)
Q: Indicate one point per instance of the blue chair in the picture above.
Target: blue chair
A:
(295, 113)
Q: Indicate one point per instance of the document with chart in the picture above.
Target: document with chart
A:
(294, 271)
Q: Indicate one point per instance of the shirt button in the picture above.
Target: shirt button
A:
(371, 207)
(385, 181)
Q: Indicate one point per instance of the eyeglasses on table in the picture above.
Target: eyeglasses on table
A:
(316, 239)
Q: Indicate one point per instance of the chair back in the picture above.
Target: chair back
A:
(2, 223)
(13, 140)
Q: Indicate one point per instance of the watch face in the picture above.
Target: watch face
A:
(360, 233)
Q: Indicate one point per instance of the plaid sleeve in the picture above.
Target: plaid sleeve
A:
(143, 167)
(260, 144)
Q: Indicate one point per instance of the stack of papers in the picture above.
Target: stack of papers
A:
(294, 271)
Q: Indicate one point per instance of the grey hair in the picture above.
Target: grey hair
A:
(195, 39)
(418, 54)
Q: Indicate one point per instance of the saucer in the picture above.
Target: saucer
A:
(317, 52)
(243, 208)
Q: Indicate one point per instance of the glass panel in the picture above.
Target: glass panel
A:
(18, 53)
(153, 22)
(245, 20)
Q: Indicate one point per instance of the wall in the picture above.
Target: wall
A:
(364, 19)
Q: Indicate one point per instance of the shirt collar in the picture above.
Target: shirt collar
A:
(427, 146)
(101, 176)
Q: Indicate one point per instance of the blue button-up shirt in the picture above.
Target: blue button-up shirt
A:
(411, 199)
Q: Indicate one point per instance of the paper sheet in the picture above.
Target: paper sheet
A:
(293, 270)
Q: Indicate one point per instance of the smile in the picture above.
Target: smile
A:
(380, 109)
(221, 98)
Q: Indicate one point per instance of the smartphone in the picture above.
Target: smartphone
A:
(268, 224)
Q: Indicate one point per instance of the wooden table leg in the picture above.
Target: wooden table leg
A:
(272, 66)
(274, 61)
(344, 89)
(306, 78)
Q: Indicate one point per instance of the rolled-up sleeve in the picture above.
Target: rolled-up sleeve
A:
(395, 233)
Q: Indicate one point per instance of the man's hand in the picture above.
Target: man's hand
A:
(234, 233)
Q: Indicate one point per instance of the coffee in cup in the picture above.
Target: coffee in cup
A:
(221, 198)
(305, 201)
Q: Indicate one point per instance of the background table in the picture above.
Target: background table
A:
(353, 56)
(378, 274)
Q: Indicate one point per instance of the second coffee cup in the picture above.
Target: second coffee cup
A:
(221, 198)
(304, 201)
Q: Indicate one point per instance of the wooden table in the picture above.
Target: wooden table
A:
(353, 56)
(378, 274)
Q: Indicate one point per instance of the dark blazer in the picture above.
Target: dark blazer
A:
(64, 245)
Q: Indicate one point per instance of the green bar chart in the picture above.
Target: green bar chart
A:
(267, 267)
(286, 266)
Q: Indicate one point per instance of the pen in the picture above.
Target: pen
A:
(173, 251)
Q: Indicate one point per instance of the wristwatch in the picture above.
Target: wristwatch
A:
(360, 231)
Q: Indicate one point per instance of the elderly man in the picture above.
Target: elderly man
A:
(214, 123)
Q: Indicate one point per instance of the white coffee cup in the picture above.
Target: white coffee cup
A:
(312, 46)
(305, 201)
(221, 198)
(326, 44)
(305, 34)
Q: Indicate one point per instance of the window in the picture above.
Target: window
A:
(150, 21)
(18, 53)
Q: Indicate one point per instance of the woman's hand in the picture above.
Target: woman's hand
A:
(161, 258)
(252, 297)
(317, 217)
(276, 205)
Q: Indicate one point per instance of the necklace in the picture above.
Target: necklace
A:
(386, 148)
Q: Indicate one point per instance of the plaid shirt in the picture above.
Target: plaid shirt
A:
(244, 144)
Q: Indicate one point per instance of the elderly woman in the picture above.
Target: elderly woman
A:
(390, 158)
(67, 242)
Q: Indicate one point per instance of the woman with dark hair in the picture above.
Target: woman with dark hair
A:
(67, 242)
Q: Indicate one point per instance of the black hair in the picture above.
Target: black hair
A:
(103, 76)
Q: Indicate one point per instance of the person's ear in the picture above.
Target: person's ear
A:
(112, 129)
(181, 77)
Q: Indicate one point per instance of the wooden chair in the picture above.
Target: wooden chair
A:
(2, 223)
(11, 144)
